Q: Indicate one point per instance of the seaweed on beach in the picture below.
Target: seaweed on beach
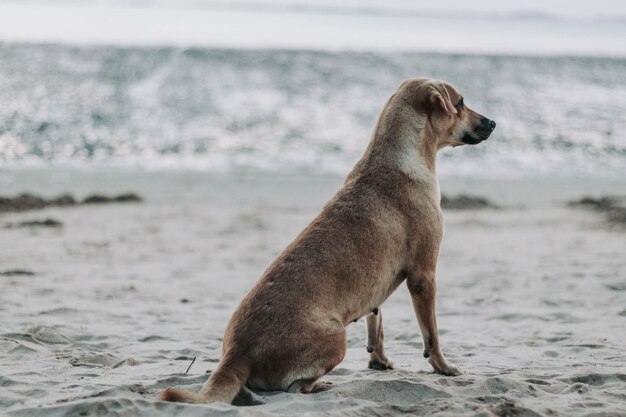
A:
(26, 201)
(466, 202)
(601, 203)
(36, 223)
(613, 207)
(16, 272)
(62, 200)
(122, 198)
(22, 202)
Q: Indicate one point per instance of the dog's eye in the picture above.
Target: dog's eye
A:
(460, 104)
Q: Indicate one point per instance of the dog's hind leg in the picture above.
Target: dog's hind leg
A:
(320, 358)
(375, 337)
(423, 291)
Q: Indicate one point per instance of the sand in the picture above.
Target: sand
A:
(100, 313)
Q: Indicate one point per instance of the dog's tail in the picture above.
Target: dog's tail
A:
(223, 385)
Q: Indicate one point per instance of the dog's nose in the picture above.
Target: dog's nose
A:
(490, 124)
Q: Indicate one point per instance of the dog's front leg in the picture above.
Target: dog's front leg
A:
(375, 347)
(423, 290)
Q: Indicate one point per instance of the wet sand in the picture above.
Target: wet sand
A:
(99, 314)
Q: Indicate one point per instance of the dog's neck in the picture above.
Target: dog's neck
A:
(402, 141)
(417, 154)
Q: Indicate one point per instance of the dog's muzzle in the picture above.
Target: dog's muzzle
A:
(481, 133)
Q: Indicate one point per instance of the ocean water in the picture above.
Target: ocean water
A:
(220, 109)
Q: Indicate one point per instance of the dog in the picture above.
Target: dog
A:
(382, 228)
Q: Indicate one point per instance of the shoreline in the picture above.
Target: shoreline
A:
(51, 182)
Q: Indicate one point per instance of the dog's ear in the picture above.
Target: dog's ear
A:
(438, 96)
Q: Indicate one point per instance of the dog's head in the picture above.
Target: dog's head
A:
(452, 122)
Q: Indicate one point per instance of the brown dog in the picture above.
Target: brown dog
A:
(382, 228)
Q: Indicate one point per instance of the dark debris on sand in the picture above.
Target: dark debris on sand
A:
(122, 198)
(16, 272)
(97, 199)
(614, 208)
(63, 200)
(36, 223)
(466, 202)
(25, 202)
(22, 202)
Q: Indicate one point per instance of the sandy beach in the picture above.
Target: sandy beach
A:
(102, 311)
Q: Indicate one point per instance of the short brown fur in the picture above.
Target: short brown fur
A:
(383, 227)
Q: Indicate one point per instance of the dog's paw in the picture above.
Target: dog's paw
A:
(321, 386)
(446, 369)
(380, 365)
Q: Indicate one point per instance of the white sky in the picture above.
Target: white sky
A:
(565, 8)
(249, 24)
(561, 8)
